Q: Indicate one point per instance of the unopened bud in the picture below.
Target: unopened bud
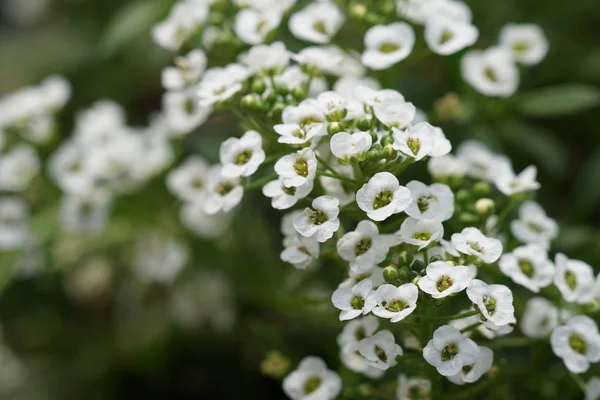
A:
(387, 140)
(485, 206)
(299, 93)
(258, 86)
(468, 218)
(389, 152)
(482, 189)
(334, 127)
(405, 258)
(405, 274)
(390, 273)
(364, 124)
(462, 195)
(418, 265)
(276, 110)
(252, 101)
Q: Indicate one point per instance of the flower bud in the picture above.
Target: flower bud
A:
(252, 101)
(387, 140)
(405, 274)
(468, 218)
(276, 110)
(405, 258)
(374, 154)
(435, 258)
(258, 86)
(275, 365)
(334, 127)
(282, 90)
(390, 273)
(364, 124)
(485, 206)
(389, 152)
(299, 93)
(482, 189)
(418, 265)
(358, 10)
(463, 195)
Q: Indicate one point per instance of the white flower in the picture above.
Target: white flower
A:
(510, 184)
(305, 113)
(345, 145)
(443, 279)
(321, 221)
(386, 45)
(281, 5)
(300, 251)
(539, 318)
(189, 181)
(533, 225)
(352, 301)
(203, 225)
(354, 361)
(474, 243)
(527, 42)
(376, 98)
(383, 196)
(447, 166)
(574, 279)
(449, 351)
(491, 72)
(223, 193)
(347, 84)
(287, 223)
(299, 134)
(312, 381)
(577, 343)
(159, 259)
(592, 390)
(243, 156)
(380, 350)
(494, 302)
(374, 274)
(336, 107)
(364, 247)
(394, 303)
(413, 388)
(333, 187)
(266, 58)
(472, 373)
(395, 113)
(356, 330)
(13, 223)
(528, 266)
(317, 23)
(435, 201)
(297, 169)
(283, 197)
(187, 71)
(446, 35)
(481, 162)
(252, 26)
(84, 214)
(441, 144)
(18, 167)
(219, 84)
(182, 113)
(185, 18)
(416, 141)
(317, 60)
(422, 232)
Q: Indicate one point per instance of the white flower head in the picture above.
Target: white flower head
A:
(352, 301)
(356, 330)
(189, 181)
(577, 343)
(481, 162)
(447, 36)
(533, 225)
(317, 23)
(539, 318)
(421, 232)
(346, 145)
(321, 221)
(443, 279)
(417, 141)
(243, 156)
(300, 251)
(447, 166)
(354, 361)
(84, 214)
(312, 381)
(14, 229)
(185, 18)
(380, 350)
(574, 279)
(336, 107)
(413, 388)
(223, 193)
(364, 247)
(449, 351)
(299, 134)
(592, 390)
(394, 303)
(317, 60)
(283, 197)
(386, 45)
(267, 58)
(181, 111)
(187, 70)
(528, 266)
(495, 302)
(435, 201)
(472, 373)
(374, 274)
(527, 42)
(297, 169)
(383, 196)
(395, 113)
(472, 242)
(18, 167)
(347, 84)
(509, 184)
(221, 83)
(491, 72)
(202, 224)
(252, 25)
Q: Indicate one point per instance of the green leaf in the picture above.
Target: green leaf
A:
(558, 100)
(540, 144)
(587, 188)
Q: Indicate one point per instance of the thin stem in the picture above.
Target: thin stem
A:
(506, 211)
(425, 257)
(336, 176)
(325, 164)
(449, 317)
(470, 327)
(399, 168)
(358, 174)
(579, 381)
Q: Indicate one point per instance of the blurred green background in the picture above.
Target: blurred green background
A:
(120, 340)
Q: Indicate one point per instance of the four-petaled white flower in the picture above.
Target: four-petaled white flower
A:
(592, 390)
(223, 193)
(380, 350)
(321, 221)
(252, 26)
(300, 251)
(574, 279)
(220, 83)
(413, 388)
(533, 225)
(317, 23)
(383, 196)
(312, 381)
(417, 141)
(539, 318)
(356, 330)
(577, 343)
(509, 183)
(528, 266)
(494, 302)
(189, 181)
(387, 45)
(243, 156)
(491, 72)
(267, 58)
(445, 35)
(395, 112)
(345, 145)
(352, 301)
(394, 303)
(187, 71)
(472, 242)
(527, 42)
(449, 351)
(297, 169)
(435, 201)
(443, 279)
(421, 232)
(283, 197)
(472, 373)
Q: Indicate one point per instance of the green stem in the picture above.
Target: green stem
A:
(401, 167)
(358, 174)
(579, 381)
(336, 176)
(425, 257)
(325, 164)
(449, 317)
(470, 327)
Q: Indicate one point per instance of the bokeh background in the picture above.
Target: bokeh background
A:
(84, 327)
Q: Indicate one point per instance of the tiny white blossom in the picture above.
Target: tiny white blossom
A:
(354, 361)
(300, 251)
(539, 318)
(443, 279)
(189, 181)
(577, 343)
(373, 274)
(356, 330)
(297, 169)
(380, 350)
(84, 214)
(18, 167)
(184, 19)
(187, 71)
(321, 221)
(528, 266)
(417, 141)
(394, 303)
(446, 35)
(527, 42)
(266, 58)
(220, 83)
(352, 301)
(283, 197)
(383, 196)
(510, 184)
(494, 302)
(243, 156)
(14, 229)
(317, 59)
(574, 279)
(421, 232)
(592, 389)
(435, 201)
(317, 23)
(533, 225)
(202, 224)
(252, 26)
(345, 145)
(472, 242)
(395, 113)
(472, 373)
(181, 111)
(223, 194)
(347, 84)
(159, 259)
(364, 247)
(449, 351)
(413, 388)
(447, 166)
(386, 45)
(312, 381)
(491, 72)
(481, 162)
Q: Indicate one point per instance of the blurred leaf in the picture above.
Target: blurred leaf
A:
(131, 21)
(587, 187)
(539, 144)
(558, 100)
